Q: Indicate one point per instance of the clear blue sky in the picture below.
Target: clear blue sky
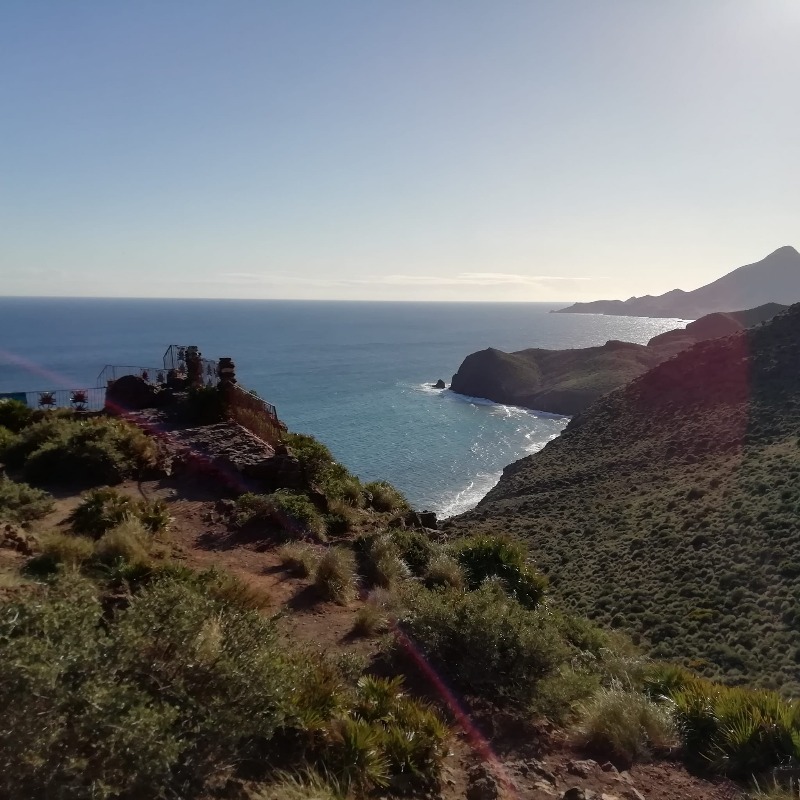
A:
(378, 149)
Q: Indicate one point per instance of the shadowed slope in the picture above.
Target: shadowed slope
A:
(671, 508)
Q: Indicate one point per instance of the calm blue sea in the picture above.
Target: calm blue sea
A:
(355, 375)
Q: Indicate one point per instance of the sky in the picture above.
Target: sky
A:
(531, 150)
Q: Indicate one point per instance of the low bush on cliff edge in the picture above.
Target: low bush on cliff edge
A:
(161, 698)
(382, 496)
(61, 449)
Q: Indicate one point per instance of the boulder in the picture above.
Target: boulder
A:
(439, 384)
(132, 393)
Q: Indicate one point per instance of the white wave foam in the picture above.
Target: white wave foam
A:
(425, 388)
(516, 411)
(461, 501)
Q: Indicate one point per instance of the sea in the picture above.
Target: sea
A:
(357, 375)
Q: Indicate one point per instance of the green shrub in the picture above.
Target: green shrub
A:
(315, 457)
(370, 620)
(485, 557)
(625, 725)
(444, 571)
(486, 643)
(22, 503)
(560, 694)
(307, 786)
(324, 472)
(382, 496)
(103, 509)
(204, 406)
(383, 564)
(85, 452)
(63, 548)
(347, 489)
(335, 577)
(158, 700)
(294, 512)
(220, 585)
(415, 548)
(7, 440)
(128, 542)
(15, 415)
(299, 558)
(341, 517)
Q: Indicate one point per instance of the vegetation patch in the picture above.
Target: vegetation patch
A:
(382, 496)
(294, 513)
(485, 642)
(20, 502)
(626, 725)
(64, 449)
(103, 509)
(670, 509)
(335, 575)
(500, 557)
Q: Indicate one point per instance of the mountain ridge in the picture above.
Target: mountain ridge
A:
(775, 278)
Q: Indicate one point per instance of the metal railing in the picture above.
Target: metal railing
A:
(257, 415)
(175, 358)
(92, 399)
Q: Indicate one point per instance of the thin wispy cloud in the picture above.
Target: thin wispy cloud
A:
(475, 279)
(460, 279)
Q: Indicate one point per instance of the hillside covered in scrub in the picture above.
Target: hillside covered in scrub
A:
(671, 508)
(569, 381)
(167, 633)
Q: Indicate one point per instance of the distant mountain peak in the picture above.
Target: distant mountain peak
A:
(774, 279)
